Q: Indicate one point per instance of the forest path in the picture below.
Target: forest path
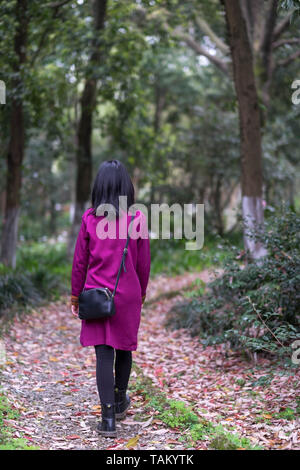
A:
(50, 378)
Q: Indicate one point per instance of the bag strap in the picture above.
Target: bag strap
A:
(125, 251)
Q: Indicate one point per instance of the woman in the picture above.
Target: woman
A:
(95, 264)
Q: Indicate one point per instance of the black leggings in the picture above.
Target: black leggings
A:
(104, 371)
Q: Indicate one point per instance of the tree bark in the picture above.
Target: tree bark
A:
(15, 153)
(159, 103)
(250, 124)
(218, 206)
(264, 56)
(85, 128)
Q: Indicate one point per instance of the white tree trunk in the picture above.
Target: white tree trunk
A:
(253, 215)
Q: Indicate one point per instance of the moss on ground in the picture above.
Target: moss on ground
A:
(177, 415)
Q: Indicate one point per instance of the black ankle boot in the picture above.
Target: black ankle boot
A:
(122, 403)
(107, 427)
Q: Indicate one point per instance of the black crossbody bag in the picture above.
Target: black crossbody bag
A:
(98, 302)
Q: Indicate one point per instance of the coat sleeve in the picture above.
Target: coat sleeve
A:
(80, 260)
(143, 261)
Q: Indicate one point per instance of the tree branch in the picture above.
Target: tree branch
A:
(288, 60)
(56, 4)
(47, 30)
(266, 43)
(269, 28)
(189, 40)
(204, 26)
(282, 25)
(196, 47)
(283, 42)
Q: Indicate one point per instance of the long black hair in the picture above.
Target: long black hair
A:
(112, 181)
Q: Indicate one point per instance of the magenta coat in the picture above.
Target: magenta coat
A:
(95, 264)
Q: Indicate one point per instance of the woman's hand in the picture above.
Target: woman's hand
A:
(74, 306)
(75, 310)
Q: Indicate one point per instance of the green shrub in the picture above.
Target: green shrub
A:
(16, 287)
(255, 307)
(224, 440)
(178, 415)
(42, 272)
(171, 258)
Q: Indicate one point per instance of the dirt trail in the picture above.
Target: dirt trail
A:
(51, 378)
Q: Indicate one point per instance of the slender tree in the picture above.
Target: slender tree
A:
(35, 22)
(255, 35)
(250, 124)
(15, 152)
(85, 124)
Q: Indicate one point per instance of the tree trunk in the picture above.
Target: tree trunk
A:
(263, 53)
(136, 176)
(85, 128)
(160, 100)
(15, 153)
(52, 217)
(2, 202)
(218, 206)
(250, 124)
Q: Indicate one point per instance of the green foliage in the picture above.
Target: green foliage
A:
(290, 5)
(224, 440)
(287, 413)
(170, 256)
(42, 274)
(254, 307)
(169, 115)
(176, 414)
(201, 430)
(7, 442)
(47, 264)
(16, 287)
(263, 381)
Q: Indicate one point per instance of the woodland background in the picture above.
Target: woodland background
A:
(195, 98)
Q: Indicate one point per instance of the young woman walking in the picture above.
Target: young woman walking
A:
(95, 264)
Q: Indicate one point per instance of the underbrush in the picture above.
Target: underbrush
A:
(171, 257)
(42, 274)
(253, 307)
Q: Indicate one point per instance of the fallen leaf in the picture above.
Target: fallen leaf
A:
(133, 441)
(53, 359)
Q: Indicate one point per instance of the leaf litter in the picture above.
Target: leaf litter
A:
(51, 380)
